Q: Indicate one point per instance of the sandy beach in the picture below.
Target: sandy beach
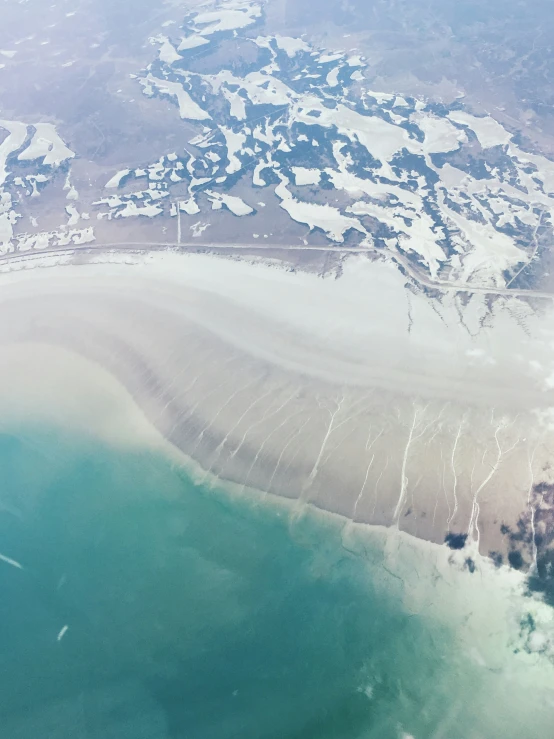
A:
(358, 395)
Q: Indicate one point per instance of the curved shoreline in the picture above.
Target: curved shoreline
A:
(111, 362)
(482, 606)
(298, 385)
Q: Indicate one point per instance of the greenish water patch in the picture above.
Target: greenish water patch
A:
(191, 614)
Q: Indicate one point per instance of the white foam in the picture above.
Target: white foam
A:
(10, 561)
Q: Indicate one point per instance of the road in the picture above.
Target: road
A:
(419, 277)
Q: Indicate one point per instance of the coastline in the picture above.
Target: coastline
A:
(400, 616)
(500, 634)
(353, 394)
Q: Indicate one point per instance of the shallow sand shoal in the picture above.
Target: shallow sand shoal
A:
(359, 395)
(503, 639)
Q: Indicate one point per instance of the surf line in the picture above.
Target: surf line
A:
(11, 562)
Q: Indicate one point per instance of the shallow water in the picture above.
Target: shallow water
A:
(194, 614)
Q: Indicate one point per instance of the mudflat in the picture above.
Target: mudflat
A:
(355, 395)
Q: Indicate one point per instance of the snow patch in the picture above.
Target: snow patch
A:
(236, 205)
(304, 176)
(46, 145)
(115, 181)
(187, 107)
(192, 42)
(488, 131)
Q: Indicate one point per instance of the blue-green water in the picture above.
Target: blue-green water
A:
(194, 615)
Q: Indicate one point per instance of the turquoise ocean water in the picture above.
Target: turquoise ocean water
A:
(192, 614)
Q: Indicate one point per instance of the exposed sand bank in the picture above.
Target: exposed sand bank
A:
(49, 384)
(357, 395)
